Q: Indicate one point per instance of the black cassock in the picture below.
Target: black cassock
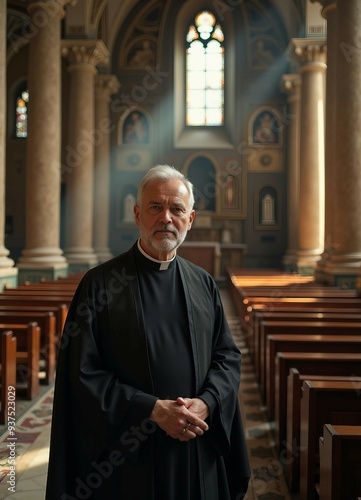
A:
(136, 331)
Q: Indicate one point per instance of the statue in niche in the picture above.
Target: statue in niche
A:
(268, 210)
(142, 54)
(135, 129)
(129, 202)
(230, 191)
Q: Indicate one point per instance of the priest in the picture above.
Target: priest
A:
(146, 393)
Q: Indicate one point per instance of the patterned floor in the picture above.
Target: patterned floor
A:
(267, 480)
(27, 451)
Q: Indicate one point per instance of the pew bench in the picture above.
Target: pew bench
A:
(34, 300)
(340, 462)
(323, 403)
(8, 370)
(294, 388)
(281, 313)
(14, 292)
(337, 342)
(318, 363)
(320, 327)
(60, 312)
(48, 340)
(246, 306)
(27, 357)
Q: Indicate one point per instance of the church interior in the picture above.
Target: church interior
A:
(257, 103)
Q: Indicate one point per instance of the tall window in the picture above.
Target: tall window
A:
(205, 72)
(22, 114)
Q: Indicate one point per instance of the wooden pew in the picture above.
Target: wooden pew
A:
(14, 292)
(323, 402)
(8, 371)
(48, 340)
(34, 300)
(318, 363)
(41, 287)
(302, 343)
(280, 313)
(245, 307)
(27, 356)
(340, 462)
(60, 312)
(322, 326)
(294, 388)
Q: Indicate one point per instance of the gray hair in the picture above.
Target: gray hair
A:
(165, 173)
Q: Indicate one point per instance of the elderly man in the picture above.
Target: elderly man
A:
(146, 396)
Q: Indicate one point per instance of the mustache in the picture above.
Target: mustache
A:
(166, 227)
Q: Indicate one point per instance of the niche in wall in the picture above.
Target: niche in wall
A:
(267, 208)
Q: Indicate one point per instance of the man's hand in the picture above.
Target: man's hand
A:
(177, 420)
(195, 405)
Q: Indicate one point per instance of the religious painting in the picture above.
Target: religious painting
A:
(142, 54)
(136, 129)
(263, 52)
(266, 129)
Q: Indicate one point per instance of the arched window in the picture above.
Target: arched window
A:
(21, 123)
(205, 72)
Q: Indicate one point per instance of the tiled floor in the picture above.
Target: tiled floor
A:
(33, 427)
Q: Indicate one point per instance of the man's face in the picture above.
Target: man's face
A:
(164, 217)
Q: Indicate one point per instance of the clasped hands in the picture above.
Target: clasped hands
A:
(182, 419)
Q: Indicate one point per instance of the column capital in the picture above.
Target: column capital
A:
(106, 85)
(291, 83)
(55, 7)
(311, 52)
(90, 52)
(327, 6)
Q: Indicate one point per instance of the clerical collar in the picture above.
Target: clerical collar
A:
(163, 264)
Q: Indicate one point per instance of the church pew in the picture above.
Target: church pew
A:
(67, 287)
(27, 356)
(46, 322)
(245, 307)
(34, 300)
(340, 462)
(326, 325)
(301, 343)
(323, 403)
(8, 371)
(60, 312)
(313, 290)
(295, 313)
(345, 364)
(320, 327)
(14, 292)
(294, 387)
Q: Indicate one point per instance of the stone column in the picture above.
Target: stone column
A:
(42, 256)
(312, 55)
(291, 84)
(105, 86)
(83, 56)
(330, 14)
(345, 262)
(8, 274)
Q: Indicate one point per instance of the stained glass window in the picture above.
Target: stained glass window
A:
(205, 72)
(22, 114)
